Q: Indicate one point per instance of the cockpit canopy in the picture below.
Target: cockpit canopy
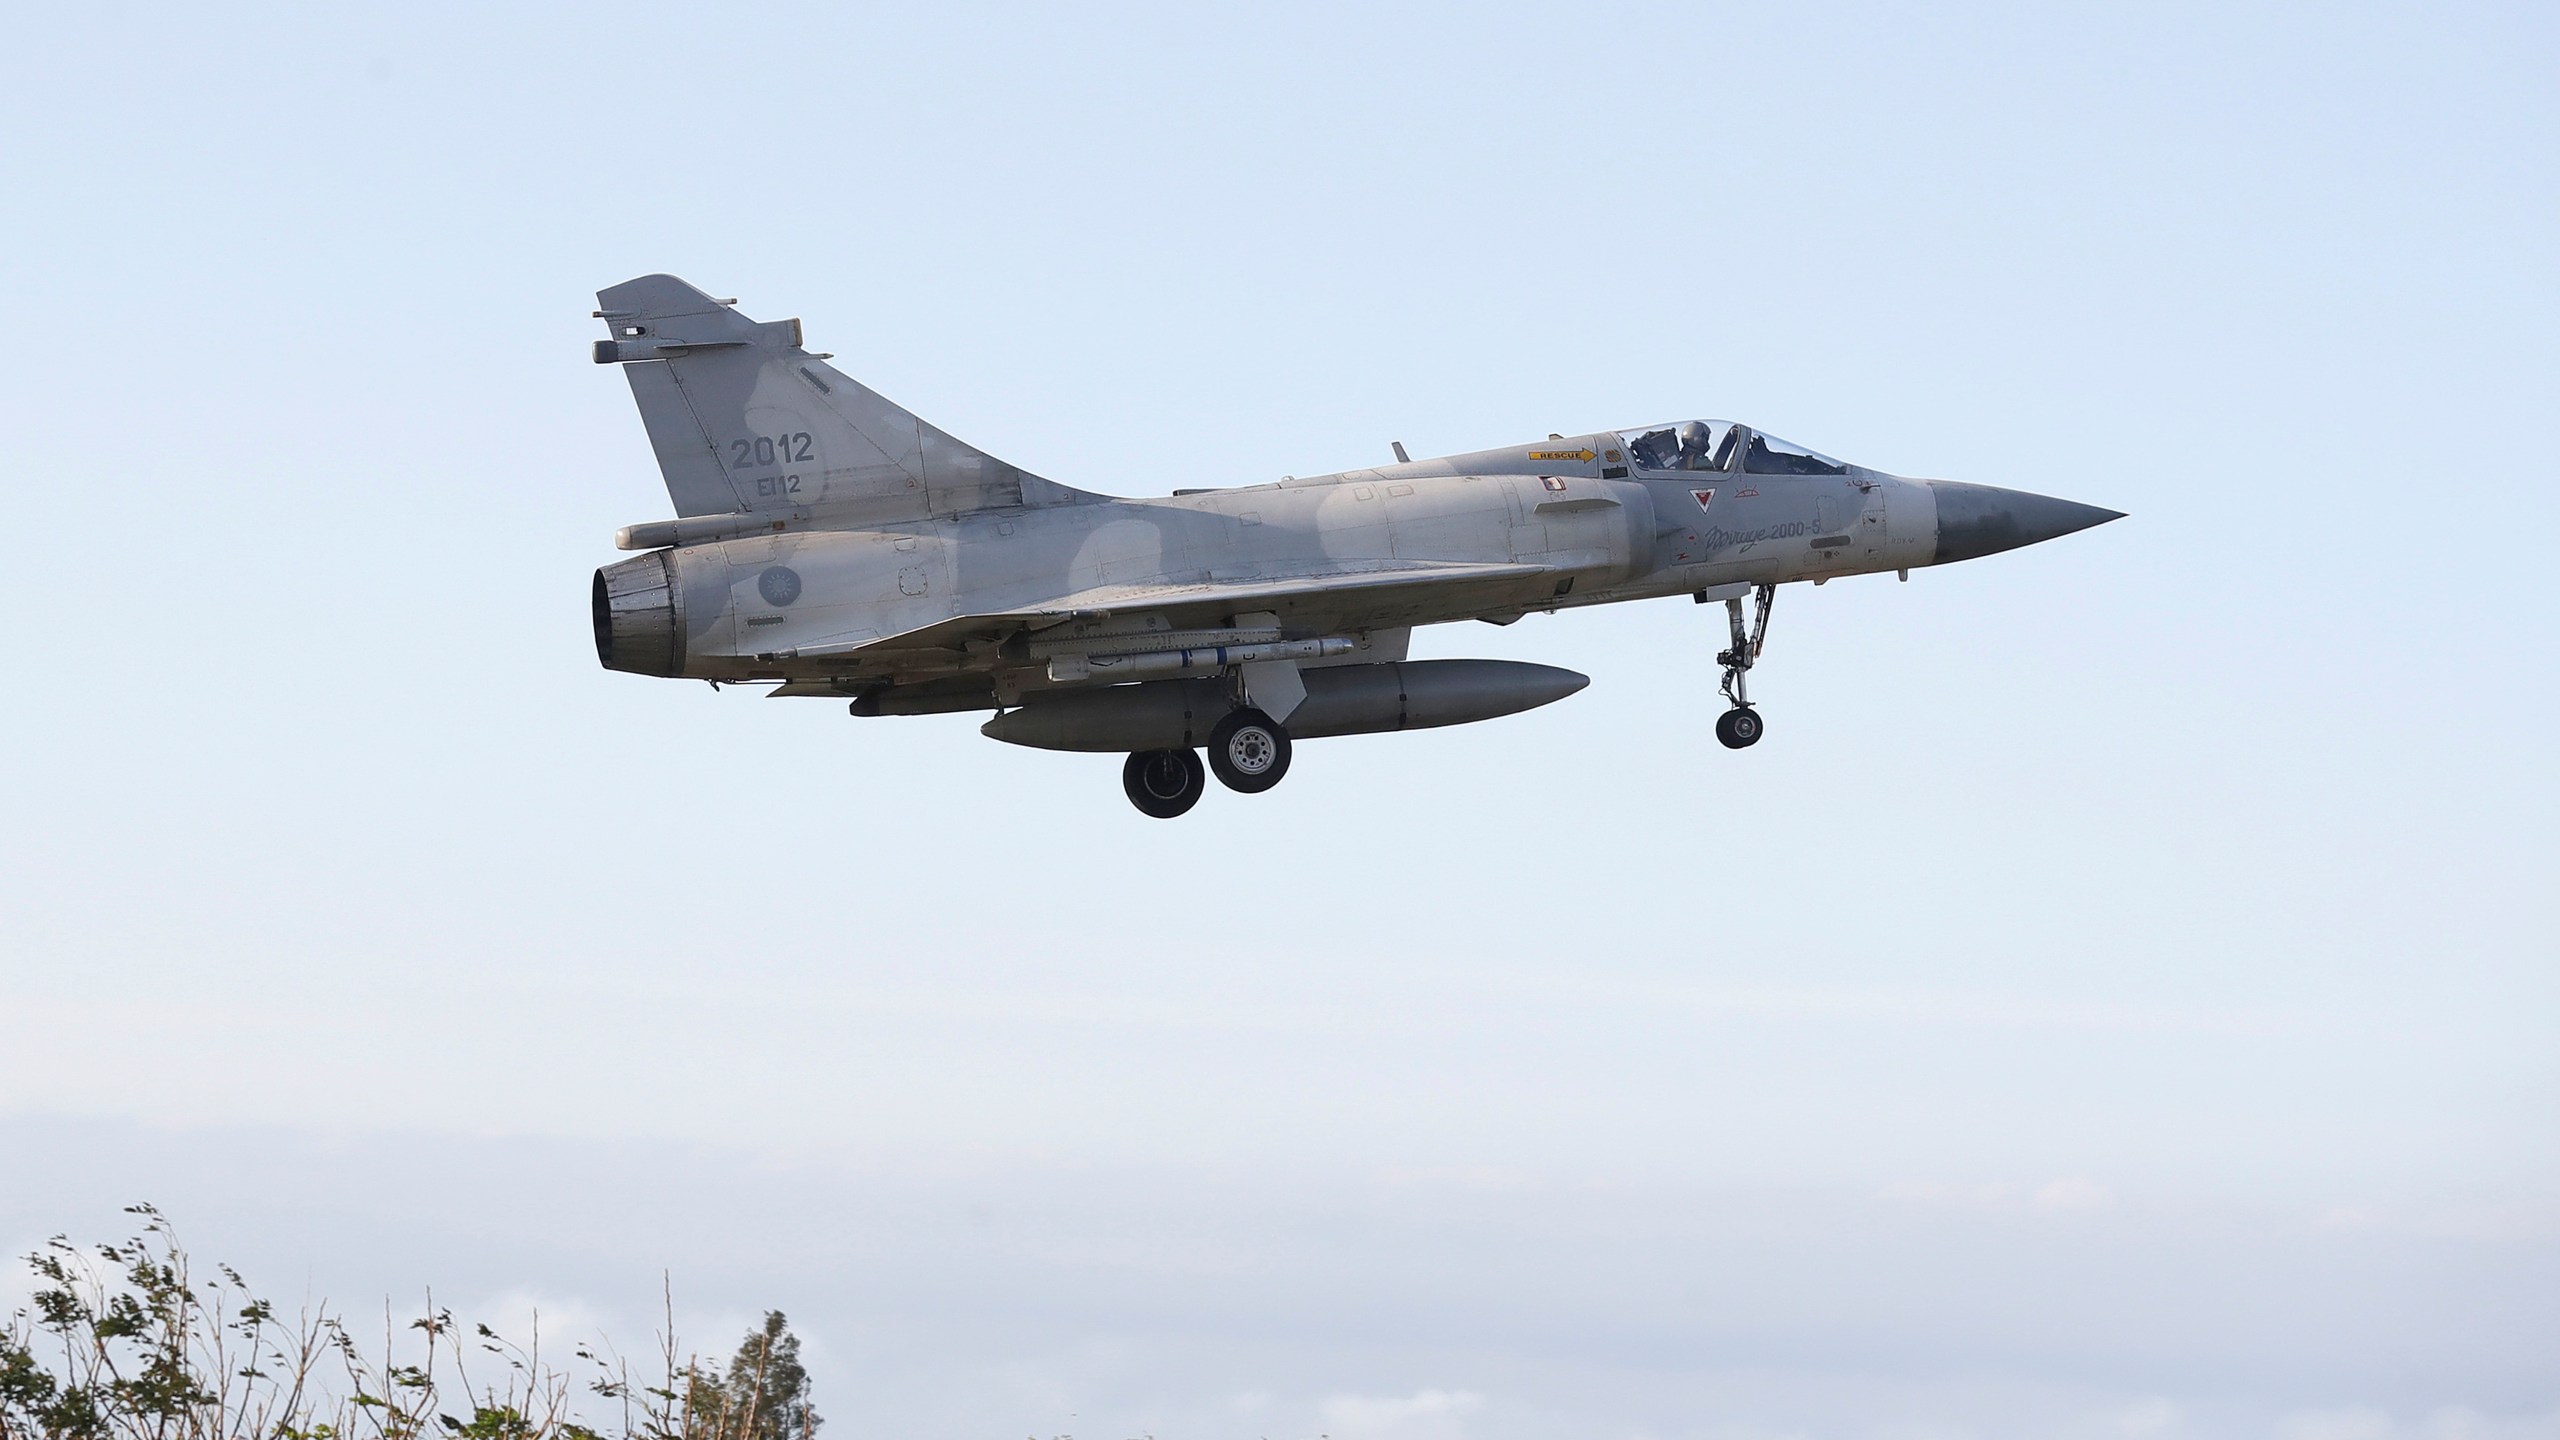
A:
(1721, 445)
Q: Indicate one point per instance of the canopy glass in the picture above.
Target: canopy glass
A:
(1721, 445)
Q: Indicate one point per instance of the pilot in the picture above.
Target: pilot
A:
(1697, 446)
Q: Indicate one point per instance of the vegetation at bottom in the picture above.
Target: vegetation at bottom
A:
(128, 1342)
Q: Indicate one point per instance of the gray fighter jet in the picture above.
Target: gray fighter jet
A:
(831, 542)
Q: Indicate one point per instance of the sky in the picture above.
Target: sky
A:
(2118, 997)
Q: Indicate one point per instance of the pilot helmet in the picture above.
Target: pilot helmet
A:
(1696, 438)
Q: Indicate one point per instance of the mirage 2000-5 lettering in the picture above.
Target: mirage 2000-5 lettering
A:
(838, 546)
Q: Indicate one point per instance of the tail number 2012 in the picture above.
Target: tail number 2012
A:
(770, 450)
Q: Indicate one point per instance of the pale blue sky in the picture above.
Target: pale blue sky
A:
(2119, 998)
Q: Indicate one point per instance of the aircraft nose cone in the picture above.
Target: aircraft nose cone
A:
(1978, 520)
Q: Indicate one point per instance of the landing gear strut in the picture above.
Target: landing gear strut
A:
(1741, 725)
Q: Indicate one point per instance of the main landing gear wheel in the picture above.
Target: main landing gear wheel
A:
(1249, 752)
(1738, 728)
(1163, 783)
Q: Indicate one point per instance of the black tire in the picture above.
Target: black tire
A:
(1738, 727)
(1248, 752)
(1163, 783)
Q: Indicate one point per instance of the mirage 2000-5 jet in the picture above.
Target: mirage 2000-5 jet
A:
(832, 542)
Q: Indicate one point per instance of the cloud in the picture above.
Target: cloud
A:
(2450, 1423)
(2067, 1194)
(2072, 1193)
(2455, 1423)
(2144, 1419)
(1423, 1415)
(2350, 1424)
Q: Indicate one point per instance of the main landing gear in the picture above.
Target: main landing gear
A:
(1164, 783)
(1741, 725)
(1248, 752)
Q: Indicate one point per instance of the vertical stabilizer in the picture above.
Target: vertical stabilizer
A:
(744, 419)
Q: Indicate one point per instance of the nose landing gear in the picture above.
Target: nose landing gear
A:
(1741, 725)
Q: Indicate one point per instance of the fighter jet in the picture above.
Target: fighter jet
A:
(834, 545)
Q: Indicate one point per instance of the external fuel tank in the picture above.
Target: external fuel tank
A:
(1341, 700)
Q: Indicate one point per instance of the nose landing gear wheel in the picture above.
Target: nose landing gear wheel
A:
(1249, 752)
(1163, 783)
(1738, 728)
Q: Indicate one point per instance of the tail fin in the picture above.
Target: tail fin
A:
(743, 419)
